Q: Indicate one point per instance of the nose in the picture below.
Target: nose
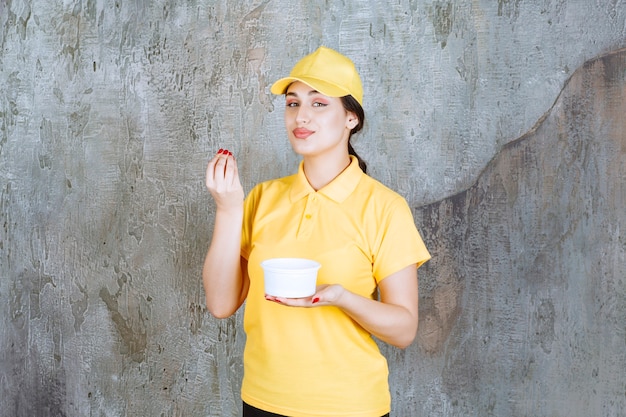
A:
(303, 115)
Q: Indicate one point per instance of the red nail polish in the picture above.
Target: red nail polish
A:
(230, 153)
(315, 300)
(220, 151)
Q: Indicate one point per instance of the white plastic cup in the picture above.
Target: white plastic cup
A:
(290, 277)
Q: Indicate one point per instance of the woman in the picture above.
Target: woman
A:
(315, 356)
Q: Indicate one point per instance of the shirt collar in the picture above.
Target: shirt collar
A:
(338, 189)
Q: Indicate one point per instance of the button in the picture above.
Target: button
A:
(308, 216)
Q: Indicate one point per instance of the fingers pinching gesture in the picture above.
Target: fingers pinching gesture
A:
(222, 180)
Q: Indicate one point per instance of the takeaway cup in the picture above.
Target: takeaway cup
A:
(290, 277)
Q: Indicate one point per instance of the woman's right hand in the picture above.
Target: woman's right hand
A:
(225, 279)
(222, 181)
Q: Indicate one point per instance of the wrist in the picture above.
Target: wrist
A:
(343, 296)
(229, 209)
(229, 214)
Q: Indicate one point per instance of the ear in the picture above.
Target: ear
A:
(353, 121)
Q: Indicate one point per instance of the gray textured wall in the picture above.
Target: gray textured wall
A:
(496, 120)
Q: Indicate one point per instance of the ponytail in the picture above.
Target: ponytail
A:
(362, 163)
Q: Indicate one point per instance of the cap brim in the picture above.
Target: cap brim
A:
(330, 90)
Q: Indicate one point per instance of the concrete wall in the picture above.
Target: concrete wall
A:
(496, 120)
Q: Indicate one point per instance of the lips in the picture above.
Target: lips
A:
(302, 133)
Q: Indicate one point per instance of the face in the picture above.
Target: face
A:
(316, 124)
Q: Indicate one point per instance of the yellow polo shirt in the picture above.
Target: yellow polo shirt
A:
(312, 362)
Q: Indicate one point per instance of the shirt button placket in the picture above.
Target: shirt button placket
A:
(306, 225)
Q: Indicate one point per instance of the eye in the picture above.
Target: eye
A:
(292, 104)
(319, 104)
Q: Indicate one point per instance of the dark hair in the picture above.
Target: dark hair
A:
(352, 105)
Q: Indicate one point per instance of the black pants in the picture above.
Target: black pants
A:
(249, 411)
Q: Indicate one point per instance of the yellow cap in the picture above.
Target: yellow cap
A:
(328, 72)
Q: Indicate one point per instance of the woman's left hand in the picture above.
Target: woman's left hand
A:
(325, 295)
(393, 318)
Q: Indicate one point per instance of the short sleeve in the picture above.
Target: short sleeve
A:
(399, 243)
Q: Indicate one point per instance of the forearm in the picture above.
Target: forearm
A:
(393, 324)
(224, 283)
(393, 319)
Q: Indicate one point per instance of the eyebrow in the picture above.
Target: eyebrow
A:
(310, 93)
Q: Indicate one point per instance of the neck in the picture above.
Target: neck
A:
(320, 171)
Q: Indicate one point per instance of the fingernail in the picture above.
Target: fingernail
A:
(315, 300)
(230, 153)
(220, 151)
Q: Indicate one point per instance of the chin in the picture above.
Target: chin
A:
(300, 148)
